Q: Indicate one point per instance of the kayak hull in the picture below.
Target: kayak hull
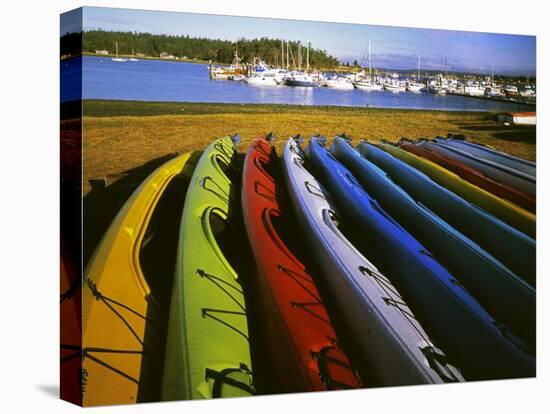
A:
(119, 310)
(301, 340)
(207, 347)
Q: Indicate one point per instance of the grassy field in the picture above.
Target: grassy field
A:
(123, 135)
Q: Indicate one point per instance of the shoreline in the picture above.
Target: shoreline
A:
(64, 58)
(132, 107)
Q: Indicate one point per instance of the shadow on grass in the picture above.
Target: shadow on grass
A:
(517, 136)
(103, 202)
(515, 133)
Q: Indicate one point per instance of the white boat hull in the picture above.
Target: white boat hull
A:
(367, 87)
(394, 88)
(344, 85)
(261, 81)
(415, 88)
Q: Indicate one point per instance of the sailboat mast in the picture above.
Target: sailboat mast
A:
(307, 57)
(370, 64)
(116, 47)
(299, 56)
(287, 56)
(282, 54)
(418, 70)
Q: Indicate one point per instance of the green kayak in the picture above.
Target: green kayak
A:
(207, 351)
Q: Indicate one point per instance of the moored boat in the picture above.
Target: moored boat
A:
(414, 87)
(338, 83)
(368, 85)
(301, 79)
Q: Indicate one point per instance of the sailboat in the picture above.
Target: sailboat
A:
(299, 78)
(368, 84)
(415, 86)
(393, 84)
(116, 58)
(133, 59)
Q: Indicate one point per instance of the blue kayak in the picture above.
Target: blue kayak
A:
(481, 348)
(514, 249)
(510, 300)
(392, 347)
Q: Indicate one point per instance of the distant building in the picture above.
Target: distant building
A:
(518, 118)
(101, 52)
(164, 55)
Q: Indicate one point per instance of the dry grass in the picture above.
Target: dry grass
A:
(113, 144)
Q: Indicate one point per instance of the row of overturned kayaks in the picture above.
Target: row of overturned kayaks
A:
(317, 269)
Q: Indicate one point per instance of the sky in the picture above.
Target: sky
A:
(391, 47)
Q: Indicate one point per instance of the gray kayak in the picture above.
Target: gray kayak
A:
(508, 176)
(395, 349)
(510, 300)
(514, 249)
(491, 154)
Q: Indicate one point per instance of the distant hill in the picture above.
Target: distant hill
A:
(217, 50)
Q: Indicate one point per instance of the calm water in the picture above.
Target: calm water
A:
(153, 80)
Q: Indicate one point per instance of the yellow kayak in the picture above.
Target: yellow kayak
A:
(506, 211)
(120, 313)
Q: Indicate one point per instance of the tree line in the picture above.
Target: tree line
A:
(200, 48)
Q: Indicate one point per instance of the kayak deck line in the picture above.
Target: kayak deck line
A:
(116, 294)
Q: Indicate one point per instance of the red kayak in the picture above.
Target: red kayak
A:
(475, 177)
(70, 330)
(297, 330)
